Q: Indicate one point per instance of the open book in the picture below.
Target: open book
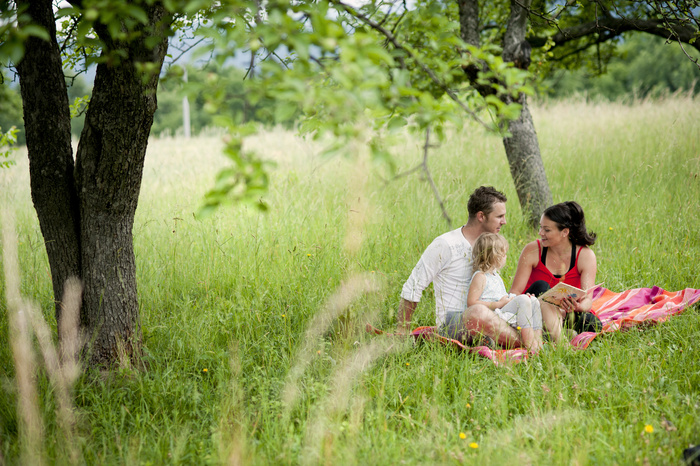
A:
(560, 291)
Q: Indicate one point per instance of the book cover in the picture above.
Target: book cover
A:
(558, 292)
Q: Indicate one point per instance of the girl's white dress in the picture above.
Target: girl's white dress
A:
(495, 289)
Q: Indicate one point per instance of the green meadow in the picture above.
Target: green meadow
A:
(253, 324)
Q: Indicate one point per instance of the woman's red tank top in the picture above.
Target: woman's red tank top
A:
(541, 272)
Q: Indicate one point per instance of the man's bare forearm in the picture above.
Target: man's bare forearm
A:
(403, 321)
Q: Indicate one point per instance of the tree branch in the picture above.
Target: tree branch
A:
(427, 146)
(185, 50)
(617, 26)
(392, 39)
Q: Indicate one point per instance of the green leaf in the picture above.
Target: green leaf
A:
(284, 111)
(36, 31)
(396, 123)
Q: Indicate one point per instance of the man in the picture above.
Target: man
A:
(447, 263)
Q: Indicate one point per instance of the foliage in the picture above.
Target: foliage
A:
(235, 101)
(7, 140)
(356, 74)
(246, 181)
(646, 66)
(13, 37)
(235, 295)
(11, 107)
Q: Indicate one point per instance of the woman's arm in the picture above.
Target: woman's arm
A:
(476, 288)
(587, 267)
(528, 261)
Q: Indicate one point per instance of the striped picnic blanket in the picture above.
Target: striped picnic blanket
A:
(617, 311)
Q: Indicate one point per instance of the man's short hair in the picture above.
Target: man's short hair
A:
(482, 200)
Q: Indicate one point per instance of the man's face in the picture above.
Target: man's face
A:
(496, 219)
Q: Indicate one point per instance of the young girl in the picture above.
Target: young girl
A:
(487, 288)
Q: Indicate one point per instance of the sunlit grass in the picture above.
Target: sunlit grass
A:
(232, 308)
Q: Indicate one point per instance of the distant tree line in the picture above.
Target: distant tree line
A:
(168, 118)
(642, 65)
(245, 107)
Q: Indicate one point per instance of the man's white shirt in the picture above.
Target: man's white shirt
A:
(447, 263)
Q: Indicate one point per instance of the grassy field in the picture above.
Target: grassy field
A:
(253, 324)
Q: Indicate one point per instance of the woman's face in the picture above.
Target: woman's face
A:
(550, 234)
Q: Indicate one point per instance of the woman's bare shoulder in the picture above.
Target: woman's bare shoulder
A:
(586, 253)
(587, 259)
(531, 248)
(530, 254)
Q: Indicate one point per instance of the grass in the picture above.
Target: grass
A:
(253, 324)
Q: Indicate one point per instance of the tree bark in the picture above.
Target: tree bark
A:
(47, 129)
(522, 147)
(469, 21)
(86, 210)
(109, 167)
(526, 167)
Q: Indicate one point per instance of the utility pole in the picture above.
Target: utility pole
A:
(186, 111)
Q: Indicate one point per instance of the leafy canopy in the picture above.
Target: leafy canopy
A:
(356, 73)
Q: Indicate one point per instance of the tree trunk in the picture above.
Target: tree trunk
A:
(109, 167)
(47, 128)
(107, 173)
(469, 21)
(526, 167)
(522, 148)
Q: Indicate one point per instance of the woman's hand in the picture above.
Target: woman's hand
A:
(570, 304)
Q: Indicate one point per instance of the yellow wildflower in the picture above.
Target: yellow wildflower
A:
(648, 428)
(205, 370)
(474, 445)
(462, 435)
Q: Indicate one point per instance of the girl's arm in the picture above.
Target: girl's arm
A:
(476, 288)
(528, 260)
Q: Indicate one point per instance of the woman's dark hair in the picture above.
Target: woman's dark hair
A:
(570, 215)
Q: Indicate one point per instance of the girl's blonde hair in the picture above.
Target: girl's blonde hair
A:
(488, 249)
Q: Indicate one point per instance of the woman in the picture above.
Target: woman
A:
(562, 254)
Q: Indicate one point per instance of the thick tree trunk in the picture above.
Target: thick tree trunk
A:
(109, 167)
(469, 21)
(526, 167)
(522, 148)
(89, 234)
(47, 127)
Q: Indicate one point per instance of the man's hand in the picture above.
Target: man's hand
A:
(403, 320)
